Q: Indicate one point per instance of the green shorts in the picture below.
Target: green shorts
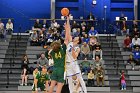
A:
(41, 86)
(58, 75)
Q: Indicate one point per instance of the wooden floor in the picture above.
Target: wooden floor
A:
(42, 92)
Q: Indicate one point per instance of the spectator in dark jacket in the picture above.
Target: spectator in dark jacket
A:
(132, 61)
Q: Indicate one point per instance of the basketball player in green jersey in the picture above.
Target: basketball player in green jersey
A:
(41, 81)
(58, 53)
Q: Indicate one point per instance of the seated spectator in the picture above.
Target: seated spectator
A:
(25, 62)
(49, 37)
(2, 31)
(24, 76)
(135, 42)
(127, 43)
(92, 42)
(136, 54)
(86, 39)
(83, 24)
(97, 64)
(90, 82)
(77, 33)
(34, 38)
(45, 25)
(132, 61)
(86, 66)
(90, 16)
(37, 24)
(134, 25)
(41, 39)
(83, 31)
(135, 32)
(85, 50)
(9, 27)
(42, 61)
(92, 32)
(100, 76)
(54, 24)
(124, 28)
(75, 25)
(97, 51)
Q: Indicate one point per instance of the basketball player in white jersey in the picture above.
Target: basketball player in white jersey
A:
(72, 66)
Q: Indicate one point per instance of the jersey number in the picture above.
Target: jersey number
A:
(58, 55)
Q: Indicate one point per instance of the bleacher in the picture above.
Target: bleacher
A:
(114, 60)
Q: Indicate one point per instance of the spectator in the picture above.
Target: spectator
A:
(42, 61)
(124, 28)
(135, 32)
(83, 31)
(90, 16)
(9, 27)
(90, 23)
(25, 69)
(123, 81)
(100, 76)
(34, 38)
(136, 54)
(25, 62)
(92, 32)
(97, 63)
(97, 51)
(85, 50)
(134, 25)
(86, 65)
(122, 18)
(83, 24)
(131, 61)
(54, 24)
(37, 24)
(24, 76)
(90, 82)
(127, 43)
(86, 39)
(92, 42)
(41, 39)
(75, 25)
(2, 31)
(76, 32)
(45, 25)
(49, 37)
(135, 42)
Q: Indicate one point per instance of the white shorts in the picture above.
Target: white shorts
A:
(72, 68)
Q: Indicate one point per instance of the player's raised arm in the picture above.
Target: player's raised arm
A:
(68, 36)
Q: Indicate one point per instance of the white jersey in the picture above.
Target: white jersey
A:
(69, 57)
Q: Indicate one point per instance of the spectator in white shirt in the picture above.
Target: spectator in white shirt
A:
(1, 25)
(9, 26)
(135, 42)
(2, 31)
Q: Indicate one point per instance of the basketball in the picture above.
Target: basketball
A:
(65, 11)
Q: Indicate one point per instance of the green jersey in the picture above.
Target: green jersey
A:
(42, 78)
(59, 57)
